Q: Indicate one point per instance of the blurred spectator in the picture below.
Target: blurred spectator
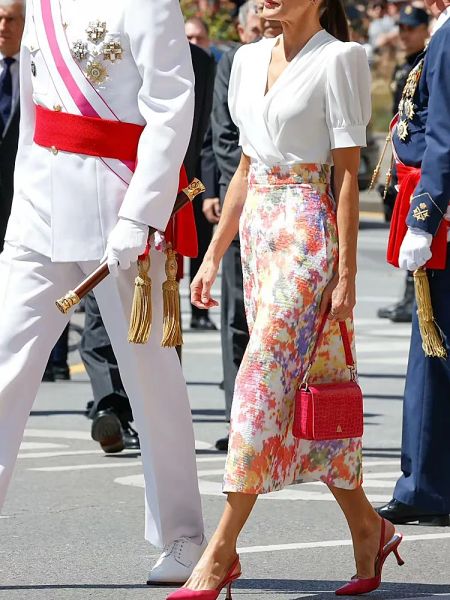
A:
(207, 171)
(359, 30)
(382, 24)
(11, 29)
(208, 7)
(414, 32)
(197, 32)
(234, 331)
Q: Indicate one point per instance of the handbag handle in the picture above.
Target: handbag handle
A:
(349, 361)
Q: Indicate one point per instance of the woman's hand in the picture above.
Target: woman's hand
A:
(202, 283)
(340, 293)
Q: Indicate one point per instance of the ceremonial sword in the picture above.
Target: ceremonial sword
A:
(74, 297)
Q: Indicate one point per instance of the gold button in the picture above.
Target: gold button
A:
(57, 107)
(54, 150)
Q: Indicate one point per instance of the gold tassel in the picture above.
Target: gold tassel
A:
(432, 342)
(141, 310)
(377, 170)
(172, 335)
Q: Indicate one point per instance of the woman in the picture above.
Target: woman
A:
(302, 103)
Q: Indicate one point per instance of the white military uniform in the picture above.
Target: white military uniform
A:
(131, 61)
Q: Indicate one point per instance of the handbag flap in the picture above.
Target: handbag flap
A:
(337, 410)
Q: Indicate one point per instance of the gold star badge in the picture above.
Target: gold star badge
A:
(112, 51)
(96, 31)
(96, 72)
(421, 212)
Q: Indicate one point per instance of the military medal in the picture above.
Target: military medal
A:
(79, 50)
(96, 31)
(402, 130)
(96, 72)
(112, 51)
(406, 107)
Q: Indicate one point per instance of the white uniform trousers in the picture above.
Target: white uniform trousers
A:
(30, 324)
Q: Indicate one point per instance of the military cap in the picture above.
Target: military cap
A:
(413, 16)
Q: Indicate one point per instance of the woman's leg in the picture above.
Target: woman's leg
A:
(365, 528)
(221, 551)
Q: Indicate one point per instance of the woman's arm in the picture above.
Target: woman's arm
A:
(341, 291)
(225, 233)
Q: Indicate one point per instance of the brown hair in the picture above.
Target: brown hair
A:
(334, 19)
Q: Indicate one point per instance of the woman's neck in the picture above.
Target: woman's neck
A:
(296, 35)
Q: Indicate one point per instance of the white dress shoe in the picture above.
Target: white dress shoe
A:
(177, 561)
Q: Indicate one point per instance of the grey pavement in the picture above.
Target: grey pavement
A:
(72, 526)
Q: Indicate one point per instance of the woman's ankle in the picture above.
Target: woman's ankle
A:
(222, 549)
(366, 528)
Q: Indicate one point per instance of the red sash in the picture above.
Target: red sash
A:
(408, 178)
(93, 136)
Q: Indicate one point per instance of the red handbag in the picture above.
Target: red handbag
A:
(329, 411)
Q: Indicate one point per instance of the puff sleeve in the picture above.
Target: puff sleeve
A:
(234, 87)
(348, 100)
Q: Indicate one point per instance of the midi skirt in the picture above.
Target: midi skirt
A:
(289, 248)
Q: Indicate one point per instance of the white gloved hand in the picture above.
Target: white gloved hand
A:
(415, 249)
(125, 243)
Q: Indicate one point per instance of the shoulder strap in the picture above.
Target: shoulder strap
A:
(345, 342)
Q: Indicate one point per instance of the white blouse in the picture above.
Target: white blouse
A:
(321, 101)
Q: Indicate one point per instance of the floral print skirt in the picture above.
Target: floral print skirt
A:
(289, 249)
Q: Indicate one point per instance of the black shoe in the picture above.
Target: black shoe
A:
(203, 323)
(397, 313)
(107, 430)
(48, 375)
(386, 311)
(61, 372)
(130, 438)
(402, 313)
(222, 444)
(398, 513)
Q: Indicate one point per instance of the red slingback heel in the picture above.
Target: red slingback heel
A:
(187, 594)
(363, 586)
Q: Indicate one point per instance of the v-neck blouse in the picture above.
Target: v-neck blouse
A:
(321, 101)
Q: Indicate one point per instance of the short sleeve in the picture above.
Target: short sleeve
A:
(348, 96)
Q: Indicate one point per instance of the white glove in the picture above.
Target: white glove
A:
(126, 242)
(415, 249)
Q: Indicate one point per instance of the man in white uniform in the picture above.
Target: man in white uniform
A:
(79, 195)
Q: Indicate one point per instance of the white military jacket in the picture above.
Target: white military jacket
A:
(125, 60)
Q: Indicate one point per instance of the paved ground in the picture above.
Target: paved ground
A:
(73, 521)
